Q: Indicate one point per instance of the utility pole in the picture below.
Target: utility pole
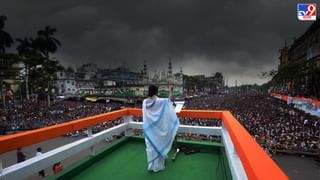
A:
(2, 93)
(226, 80)
(27, 81)
(236, 84)
(49, 93)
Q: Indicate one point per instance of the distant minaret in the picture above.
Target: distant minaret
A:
(170, 68)
(124, 64)
(145, 75)
(227, 80)
(163, 75)
(145, 69)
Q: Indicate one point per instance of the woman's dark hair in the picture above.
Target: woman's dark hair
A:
(153, 90)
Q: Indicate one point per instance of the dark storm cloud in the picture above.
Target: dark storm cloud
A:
(238, 38)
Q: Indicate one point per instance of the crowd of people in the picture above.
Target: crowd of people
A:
(192, 122)
(274, 124)
(57, 167)
(32, 115)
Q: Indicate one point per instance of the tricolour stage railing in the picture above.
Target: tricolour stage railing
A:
(246, 158)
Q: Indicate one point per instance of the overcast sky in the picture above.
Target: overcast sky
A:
(238, 38)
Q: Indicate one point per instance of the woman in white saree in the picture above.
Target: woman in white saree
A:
(160, 125)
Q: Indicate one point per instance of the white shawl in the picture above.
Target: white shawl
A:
(160, 125)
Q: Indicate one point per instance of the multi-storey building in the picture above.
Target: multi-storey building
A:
(66, 82)
(129, 84)
(121, 82)
(300, 64)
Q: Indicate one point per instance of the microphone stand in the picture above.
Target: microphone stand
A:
(175, 142)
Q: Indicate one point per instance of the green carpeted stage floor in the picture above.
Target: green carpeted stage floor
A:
(127, 161)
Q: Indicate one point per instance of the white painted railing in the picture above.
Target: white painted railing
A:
(33, 165)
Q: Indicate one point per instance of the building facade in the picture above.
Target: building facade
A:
(298, 72)
(133, 84)
(201, 83)
(119, 82)
(66, 83)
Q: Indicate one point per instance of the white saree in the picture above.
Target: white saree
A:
(160, 125)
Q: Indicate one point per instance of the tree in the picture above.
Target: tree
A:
(6, 61)
(9, 70)
(218, 75)
(268, 75)
(290, 78)
(46, 43)
(5, 38)
(40, 68)
(30, 57)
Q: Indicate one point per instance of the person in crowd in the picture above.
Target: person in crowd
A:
(57, 167)
(38, 153)
(20, 156)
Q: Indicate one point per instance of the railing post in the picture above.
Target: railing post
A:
(89, 132)
(92, 149)
(1, 166)
(128, 131)
(227, 140)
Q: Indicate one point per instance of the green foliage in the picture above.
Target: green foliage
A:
(268, 75)
(37, 57)
(303, 76)
(291, 71)
(9, 68)
(46, 42)
(5, 38)
(29, 53)
(34, 55)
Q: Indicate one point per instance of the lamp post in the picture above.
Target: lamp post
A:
(2, 93)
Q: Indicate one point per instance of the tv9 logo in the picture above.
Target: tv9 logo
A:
(307, 12)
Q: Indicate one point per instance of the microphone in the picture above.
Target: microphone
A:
(175, 155)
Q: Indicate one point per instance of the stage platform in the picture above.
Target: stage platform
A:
(126, 159)
(235, 156)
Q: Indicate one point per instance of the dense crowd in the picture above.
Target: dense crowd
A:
(32, 115)
(274, 124)
(192, 122)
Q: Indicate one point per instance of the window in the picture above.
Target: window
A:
(72, 83)
(68, 82)
(61, 74)
(68, 89)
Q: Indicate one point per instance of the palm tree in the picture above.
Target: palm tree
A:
(30, 57)
(5, 38)
(46, 43)
(5, 42)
